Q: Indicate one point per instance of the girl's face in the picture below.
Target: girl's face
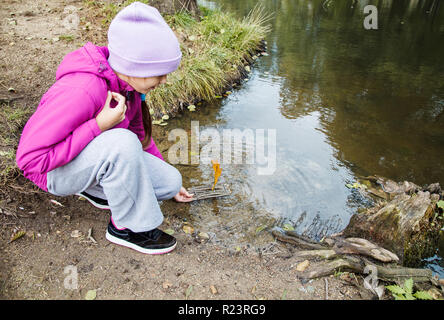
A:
(143, 85)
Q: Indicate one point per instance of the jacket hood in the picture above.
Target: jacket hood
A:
(92, 59)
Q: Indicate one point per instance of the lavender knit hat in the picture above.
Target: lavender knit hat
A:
(141, 44)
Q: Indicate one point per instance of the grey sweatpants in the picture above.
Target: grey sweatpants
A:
(113, 166)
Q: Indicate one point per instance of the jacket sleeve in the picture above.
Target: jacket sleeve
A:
(152, 148)
(63, 124)
(136, 126)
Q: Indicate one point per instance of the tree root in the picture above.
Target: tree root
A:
(302, 242)
(350, 255)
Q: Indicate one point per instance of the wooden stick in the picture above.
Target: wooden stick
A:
(7, 100)
(205, 192)
(297, 240)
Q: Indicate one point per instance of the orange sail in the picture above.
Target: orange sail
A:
(217, 171)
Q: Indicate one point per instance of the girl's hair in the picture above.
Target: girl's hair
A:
(147, 124)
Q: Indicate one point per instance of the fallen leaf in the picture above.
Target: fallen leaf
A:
(17, 235)
(188, 229)
(188, 292)
(165, 117)
(91, 295)
(303, 265)
(288, 227)
(247, 68)
(76, 234)
(191, 107)
(217, 171)
(213, 289)
(204, 235)
(166, 284)
(169, 231)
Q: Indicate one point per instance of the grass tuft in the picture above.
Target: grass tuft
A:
(214, 49)
(13, 119)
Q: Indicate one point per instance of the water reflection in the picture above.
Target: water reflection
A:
(344, 101)
(380, 93)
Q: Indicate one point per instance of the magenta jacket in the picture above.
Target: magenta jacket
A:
(64, 122)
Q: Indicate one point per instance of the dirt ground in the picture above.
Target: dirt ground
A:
(35, 35)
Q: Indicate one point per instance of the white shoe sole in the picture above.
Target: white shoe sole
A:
(95, 204)
(133, 246)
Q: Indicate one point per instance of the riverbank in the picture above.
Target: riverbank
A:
(56, 233)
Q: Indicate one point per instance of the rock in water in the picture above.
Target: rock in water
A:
(406, 224)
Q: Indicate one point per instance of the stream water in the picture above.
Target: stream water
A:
(343, 101)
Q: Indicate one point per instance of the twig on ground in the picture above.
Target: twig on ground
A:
(326, 288)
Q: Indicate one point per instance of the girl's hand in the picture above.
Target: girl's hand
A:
(109, 117)
(183, 196)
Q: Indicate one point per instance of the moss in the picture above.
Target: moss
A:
(424, 243)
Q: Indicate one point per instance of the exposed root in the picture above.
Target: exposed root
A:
(350, 255)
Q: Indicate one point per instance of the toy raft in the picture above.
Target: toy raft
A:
(206, 192)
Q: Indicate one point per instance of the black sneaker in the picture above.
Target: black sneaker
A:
(96, 202)
(150, 242)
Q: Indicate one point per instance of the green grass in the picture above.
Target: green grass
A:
(12, 121)
(67, 37)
